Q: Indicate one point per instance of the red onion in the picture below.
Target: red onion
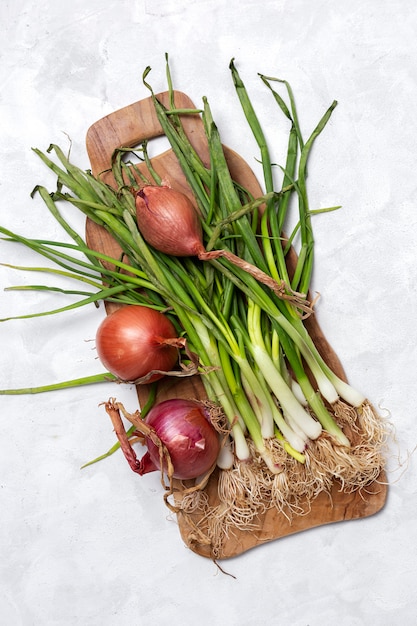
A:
(134, 341)
(184, 428)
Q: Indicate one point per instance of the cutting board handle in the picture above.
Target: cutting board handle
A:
(128, 127)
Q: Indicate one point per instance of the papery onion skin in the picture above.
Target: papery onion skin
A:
(191, 440)
(130, 343)
(168, 221)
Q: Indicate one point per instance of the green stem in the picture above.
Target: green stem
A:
(76, 382)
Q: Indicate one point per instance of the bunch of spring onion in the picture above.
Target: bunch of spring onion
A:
(220, 272)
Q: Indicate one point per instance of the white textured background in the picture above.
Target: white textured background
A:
(96, 547)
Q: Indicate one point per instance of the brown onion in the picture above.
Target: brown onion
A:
(136, 340)
(168, 221)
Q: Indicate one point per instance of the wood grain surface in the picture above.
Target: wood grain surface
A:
(127, 127)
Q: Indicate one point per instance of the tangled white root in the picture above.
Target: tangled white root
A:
(248, 490)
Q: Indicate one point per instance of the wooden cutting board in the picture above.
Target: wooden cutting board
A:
(128, 127)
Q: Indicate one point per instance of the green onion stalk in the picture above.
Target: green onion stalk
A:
(291, 328)
(284, 313)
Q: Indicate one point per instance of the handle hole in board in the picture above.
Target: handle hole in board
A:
(155, 147)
